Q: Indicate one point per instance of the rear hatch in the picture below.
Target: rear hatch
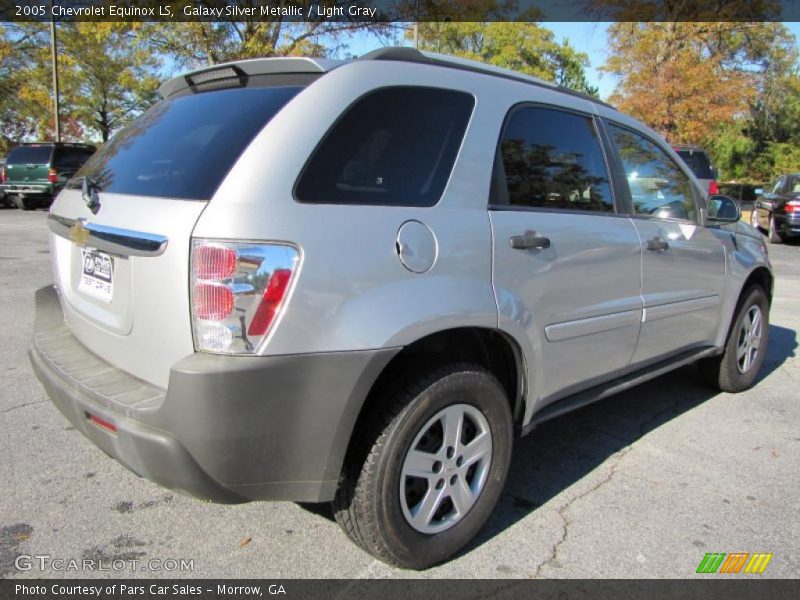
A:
(122, 227)
(29, 164)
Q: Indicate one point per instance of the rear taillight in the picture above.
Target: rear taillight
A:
(52, 176)
(3, 175)
(792, 207)
(713, 188)
(238, 293)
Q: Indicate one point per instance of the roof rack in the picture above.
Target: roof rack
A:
(406, 54)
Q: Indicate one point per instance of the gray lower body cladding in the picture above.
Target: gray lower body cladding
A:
(228, 428)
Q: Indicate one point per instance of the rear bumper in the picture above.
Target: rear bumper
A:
(27, 189)
(227, 429)
(786, 225)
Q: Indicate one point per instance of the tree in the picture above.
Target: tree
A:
(106, 75)
(525, 47)
(714, 84)
(205, 42)
(110, 73)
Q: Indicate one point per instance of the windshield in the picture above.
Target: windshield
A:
(697, 161)
(30, 155)
(184, 146)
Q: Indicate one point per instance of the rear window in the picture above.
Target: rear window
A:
(30, 155)
(184, 146)
(395, 146)
(71, 158)
(698, 162)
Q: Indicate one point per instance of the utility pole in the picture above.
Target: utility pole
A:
(54, 60)
(416, 25)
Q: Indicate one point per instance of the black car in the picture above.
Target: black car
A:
(778, 210)
(744, 193)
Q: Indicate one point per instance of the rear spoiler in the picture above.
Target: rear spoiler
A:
(240, 70)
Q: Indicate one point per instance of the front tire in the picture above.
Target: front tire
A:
(428, 465)
(737, 367)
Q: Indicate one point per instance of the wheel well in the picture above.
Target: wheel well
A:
(488, 348)
(761, 277)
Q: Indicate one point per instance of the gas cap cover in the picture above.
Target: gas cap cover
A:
(416, 246)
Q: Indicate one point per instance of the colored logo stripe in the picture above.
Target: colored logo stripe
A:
(732, 563)
(711, 562)
(758, 563)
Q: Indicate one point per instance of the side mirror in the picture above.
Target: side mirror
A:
(759, 191)
(722, 209)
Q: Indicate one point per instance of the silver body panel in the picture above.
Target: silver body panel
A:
(594, 305)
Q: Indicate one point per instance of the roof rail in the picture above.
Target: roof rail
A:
(245, 68)
(406, 54)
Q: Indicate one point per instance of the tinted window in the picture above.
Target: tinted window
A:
(698, 162)
(552, 159)
(658, 187)
(71, 158)
(184, 146)
(25, 155)
(395, 146)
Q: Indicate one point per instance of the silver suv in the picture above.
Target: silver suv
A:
(298, 279)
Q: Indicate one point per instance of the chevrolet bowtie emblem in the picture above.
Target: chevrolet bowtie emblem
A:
(78, 233)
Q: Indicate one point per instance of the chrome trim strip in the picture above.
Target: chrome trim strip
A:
(672, 309)
(114, 240)
(572, 329)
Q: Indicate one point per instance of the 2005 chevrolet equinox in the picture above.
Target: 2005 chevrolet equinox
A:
(301, 279)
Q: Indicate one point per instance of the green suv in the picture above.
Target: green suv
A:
(35, 173)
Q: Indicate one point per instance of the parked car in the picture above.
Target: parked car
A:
(744, 193)
(35, 173)
(697, 160)
(381, 296)
(778, 211)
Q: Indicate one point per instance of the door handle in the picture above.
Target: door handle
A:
(657, 244)
(528, 241)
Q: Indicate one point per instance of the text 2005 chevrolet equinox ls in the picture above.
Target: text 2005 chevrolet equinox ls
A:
(298, 279)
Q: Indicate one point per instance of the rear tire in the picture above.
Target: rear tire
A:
(417, 521)
(754, 219)
(24, 203)
(737, 367)
(774, 236)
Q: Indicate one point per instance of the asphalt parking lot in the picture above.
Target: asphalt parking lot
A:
(640, 485)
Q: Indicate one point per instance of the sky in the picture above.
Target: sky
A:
(586, 37)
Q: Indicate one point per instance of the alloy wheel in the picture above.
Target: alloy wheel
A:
(445, 468)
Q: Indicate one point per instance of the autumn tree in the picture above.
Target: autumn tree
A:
(106, 76)
(525, 47)
(190, 44)
(111, 73)
(708, 83)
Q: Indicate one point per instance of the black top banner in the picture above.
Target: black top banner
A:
(382, 11)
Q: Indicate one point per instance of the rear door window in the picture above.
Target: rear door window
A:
(395, 146)
(185, 145)
(698, 162)
(552, 159)
(30, 155)
(71, 158)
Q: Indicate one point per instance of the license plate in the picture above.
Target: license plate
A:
(97, 275)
